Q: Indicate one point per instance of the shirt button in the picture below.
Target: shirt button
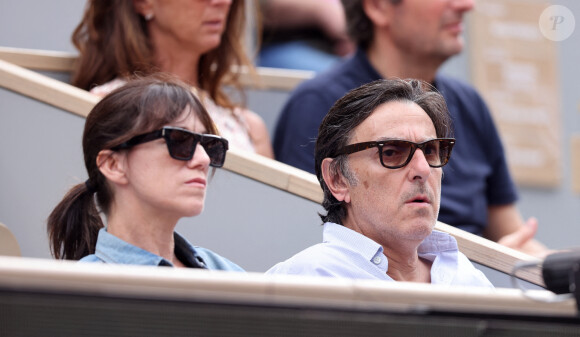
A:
(377, 259)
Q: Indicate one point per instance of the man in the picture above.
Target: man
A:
(411, 39)
(378, 156)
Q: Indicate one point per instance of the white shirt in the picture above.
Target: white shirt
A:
(349, 254)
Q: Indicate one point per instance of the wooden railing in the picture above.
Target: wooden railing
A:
(256, 167)
(45, 60)
(189, 285)
(69, 296)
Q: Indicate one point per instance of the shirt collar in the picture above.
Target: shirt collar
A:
(363, 69)
(354, 240)
(437, 242)
(112, 249)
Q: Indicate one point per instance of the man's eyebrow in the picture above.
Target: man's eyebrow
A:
(383, 139)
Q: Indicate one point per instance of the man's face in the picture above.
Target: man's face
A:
(393, 206)
(429, 28)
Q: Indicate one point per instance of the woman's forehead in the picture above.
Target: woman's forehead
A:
(189, 119)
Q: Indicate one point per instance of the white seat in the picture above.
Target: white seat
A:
(8, 244)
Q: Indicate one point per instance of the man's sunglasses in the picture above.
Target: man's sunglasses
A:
(396, 153)
(181, 144)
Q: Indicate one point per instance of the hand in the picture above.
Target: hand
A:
(523, 240)
(344, 47)
(519, 238)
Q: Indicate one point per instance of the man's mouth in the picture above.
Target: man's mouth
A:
(418, 200)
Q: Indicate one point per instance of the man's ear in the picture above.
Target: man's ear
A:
(335, 181)
(379, 11)
(112, 165)
(143, 7)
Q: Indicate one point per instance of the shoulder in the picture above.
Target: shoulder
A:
(215, 261)
(232, 123)
(327, 87)
(104, 89)
(461, 95)
(312, 99)
(257, 131)
(91, 259)
(465, 104)
(317, 260)
(455, 86)
(468, 275)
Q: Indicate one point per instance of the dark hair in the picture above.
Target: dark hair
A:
(352, 109)
(113, 41)
(140, 106)
(359, 26)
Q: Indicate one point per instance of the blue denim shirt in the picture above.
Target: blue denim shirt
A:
(111, 249)
(348, 254)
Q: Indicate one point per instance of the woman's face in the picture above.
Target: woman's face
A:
(166, 186)
(192, 24)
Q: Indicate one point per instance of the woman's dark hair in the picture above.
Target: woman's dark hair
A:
(352, 109)
(142, 105)
(113, 41)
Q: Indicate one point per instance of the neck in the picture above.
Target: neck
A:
(147, 230)
(408, 268)
(404, 261)
(173, 57)
(390, 61)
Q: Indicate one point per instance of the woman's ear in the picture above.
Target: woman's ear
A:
(112, 165)
(379, 11)
(335, 181)
(143, 7)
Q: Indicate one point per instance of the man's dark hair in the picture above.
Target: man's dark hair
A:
(359, 26)
(352, 109)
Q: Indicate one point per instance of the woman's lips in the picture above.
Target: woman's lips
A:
(197, 181)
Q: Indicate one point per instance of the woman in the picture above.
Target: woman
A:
(199, 41)
(147, 147)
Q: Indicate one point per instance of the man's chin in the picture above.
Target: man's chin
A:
(456, 46)
(420, 229)
(451, 47)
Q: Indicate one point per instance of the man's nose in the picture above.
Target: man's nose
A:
(418, 166)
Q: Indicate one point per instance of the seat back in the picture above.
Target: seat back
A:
(8, 244)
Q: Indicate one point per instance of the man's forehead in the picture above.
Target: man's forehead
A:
(395, 119)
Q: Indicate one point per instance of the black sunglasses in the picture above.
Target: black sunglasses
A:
(398, 153)
(181, 144)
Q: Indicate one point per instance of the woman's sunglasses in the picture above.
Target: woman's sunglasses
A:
(181, 144)
(396, 153)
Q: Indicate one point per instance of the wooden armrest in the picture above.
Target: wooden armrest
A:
(47, 60)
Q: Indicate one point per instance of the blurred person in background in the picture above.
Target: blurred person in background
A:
(303, 34)
(198, 41)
